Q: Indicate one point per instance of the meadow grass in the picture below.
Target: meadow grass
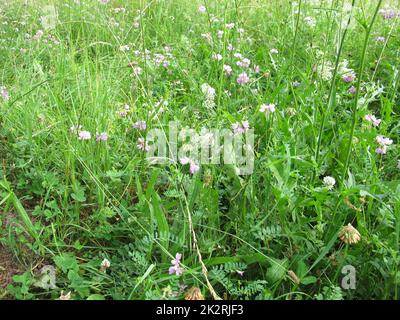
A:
(83, 83)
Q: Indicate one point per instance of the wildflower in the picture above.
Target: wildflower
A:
(4, 93)
(220, 34)
(105, 264)
(194, 294)
(118, 10)
(104, 1)
(383, 141)
(193, 168)
(202, 9)
(238, 55)
(84, 135)
(137, 70)
(371, 118)
(75, 128)
(101, 136)
(383, 144)
(216, 56)
(389, 13)
(352, 90)
(273, 51)
(227, 70)
(230, 25)
(184, 160)
(324, 70)
(142, 145)
(160, 105)
(256, 68)
(240, 127)
(159, 59)
(23, 50)
(349, 234)
(267, 108)
(124, 48)
(291, 112)
(295, 84)
(39, 34)
(380, 39)
(176, 268)
(243, 78)
(244, 63)
(122, 113)
(381, 150)
(207, 36)
(240, 273)
(329, 182)
(209, 93)
(350, 77)
(65, 296)
(140, 125)
(310, 21)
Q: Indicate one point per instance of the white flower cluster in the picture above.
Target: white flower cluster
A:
(209, 93)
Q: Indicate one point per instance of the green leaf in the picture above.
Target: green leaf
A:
(277, 271)
(66, 262)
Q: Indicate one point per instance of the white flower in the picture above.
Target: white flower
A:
(267, 108)
(324, 70)
(105, 264)
(384, 141)
(38, 35)
(244, 63)
(208, 90)
(4, 93)
(227, 70)
(202, 9)
(124, 48)
(217, 56)
(84, 135)
(329, 182)
(310, 21)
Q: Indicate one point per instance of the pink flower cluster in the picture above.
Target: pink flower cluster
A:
(101, 136)
(389, 13)
(243, 78)
(193, 167)
(176, 265)
(350, 77)
(86, 135)
(267, 108)
(140, 125)
(383, 143)
(240, 127)
(374, 120)
(142, 145)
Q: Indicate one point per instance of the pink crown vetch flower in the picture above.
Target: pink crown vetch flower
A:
(176, 268)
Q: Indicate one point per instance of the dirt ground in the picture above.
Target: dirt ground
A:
(8, 267)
